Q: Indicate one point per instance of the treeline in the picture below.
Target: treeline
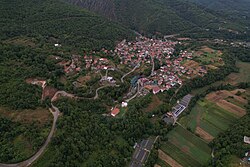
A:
(242, 53)
(231, 142)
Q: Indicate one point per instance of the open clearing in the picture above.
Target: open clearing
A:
(39, 115)
(154, 104)
(242, 76)
(168, 159)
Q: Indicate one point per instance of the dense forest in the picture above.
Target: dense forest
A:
(171, 17)
(47, 22)
(25, 63)
(85, 137)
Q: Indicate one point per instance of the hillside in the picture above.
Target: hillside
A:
(166, 16)
(234, 10)
(53, 21)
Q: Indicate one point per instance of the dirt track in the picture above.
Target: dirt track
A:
(168, 159)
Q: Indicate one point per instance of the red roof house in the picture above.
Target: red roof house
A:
(115, 111)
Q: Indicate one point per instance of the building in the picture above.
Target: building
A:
(124, 104)
(247, 140)
(115, 111)
(156, 89)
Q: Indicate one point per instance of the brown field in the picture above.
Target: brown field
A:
(23, 41)
(49, 92)
(207, 49)
(156, 165)
(231, 107)
(238, 90)
(168, 159)
(191, 64)
(83, 79)
(220, 95)
(155, 103)
(203, 134)
(212, 67)
(39, 115)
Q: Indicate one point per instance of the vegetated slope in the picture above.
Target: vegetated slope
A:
(103, 7)
(234, 10)
(55, 21)
(164, 16)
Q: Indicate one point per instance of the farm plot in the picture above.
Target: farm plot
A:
(190, 144)
(178, 155)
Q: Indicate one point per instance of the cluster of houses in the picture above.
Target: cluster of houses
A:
(97, 63)
(141, 50)
(72, 66)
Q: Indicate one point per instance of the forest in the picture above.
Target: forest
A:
(52, 21)
(87, 138)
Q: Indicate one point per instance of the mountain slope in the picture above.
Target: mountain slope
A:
(234, 10)
(56, 21)
(165, 16)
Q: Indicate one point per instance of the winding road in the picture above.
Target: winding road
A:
(122, 79)
(29, 161)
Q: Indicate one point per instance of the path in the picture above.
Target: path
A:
(138, 90)
(62, 93)
(29, 161)
(175, 93)
(96, 92)
(55, 112)
(137, 65)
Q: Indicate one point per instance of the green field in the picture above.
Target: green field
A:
(162, 163)
(189, 143)
(209, 117)
(242, 76)
(184, 159)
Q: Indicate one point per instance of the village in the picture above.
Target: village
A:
(166, 69)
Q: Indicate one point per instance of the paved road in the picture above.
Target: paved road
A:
(62, 93)
(138, 90)
(153, 65)
(29, 161)
(122, 79)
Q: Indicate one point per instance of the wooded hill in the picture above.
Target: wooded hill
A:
(54, 21)
(171, 16)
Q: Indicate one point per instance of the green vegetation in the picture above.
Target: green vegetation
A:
(163, 17)
(176, 153)
(85, 137)
(47, 22)
(162, 163)
(19, 141)
(190, 144)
